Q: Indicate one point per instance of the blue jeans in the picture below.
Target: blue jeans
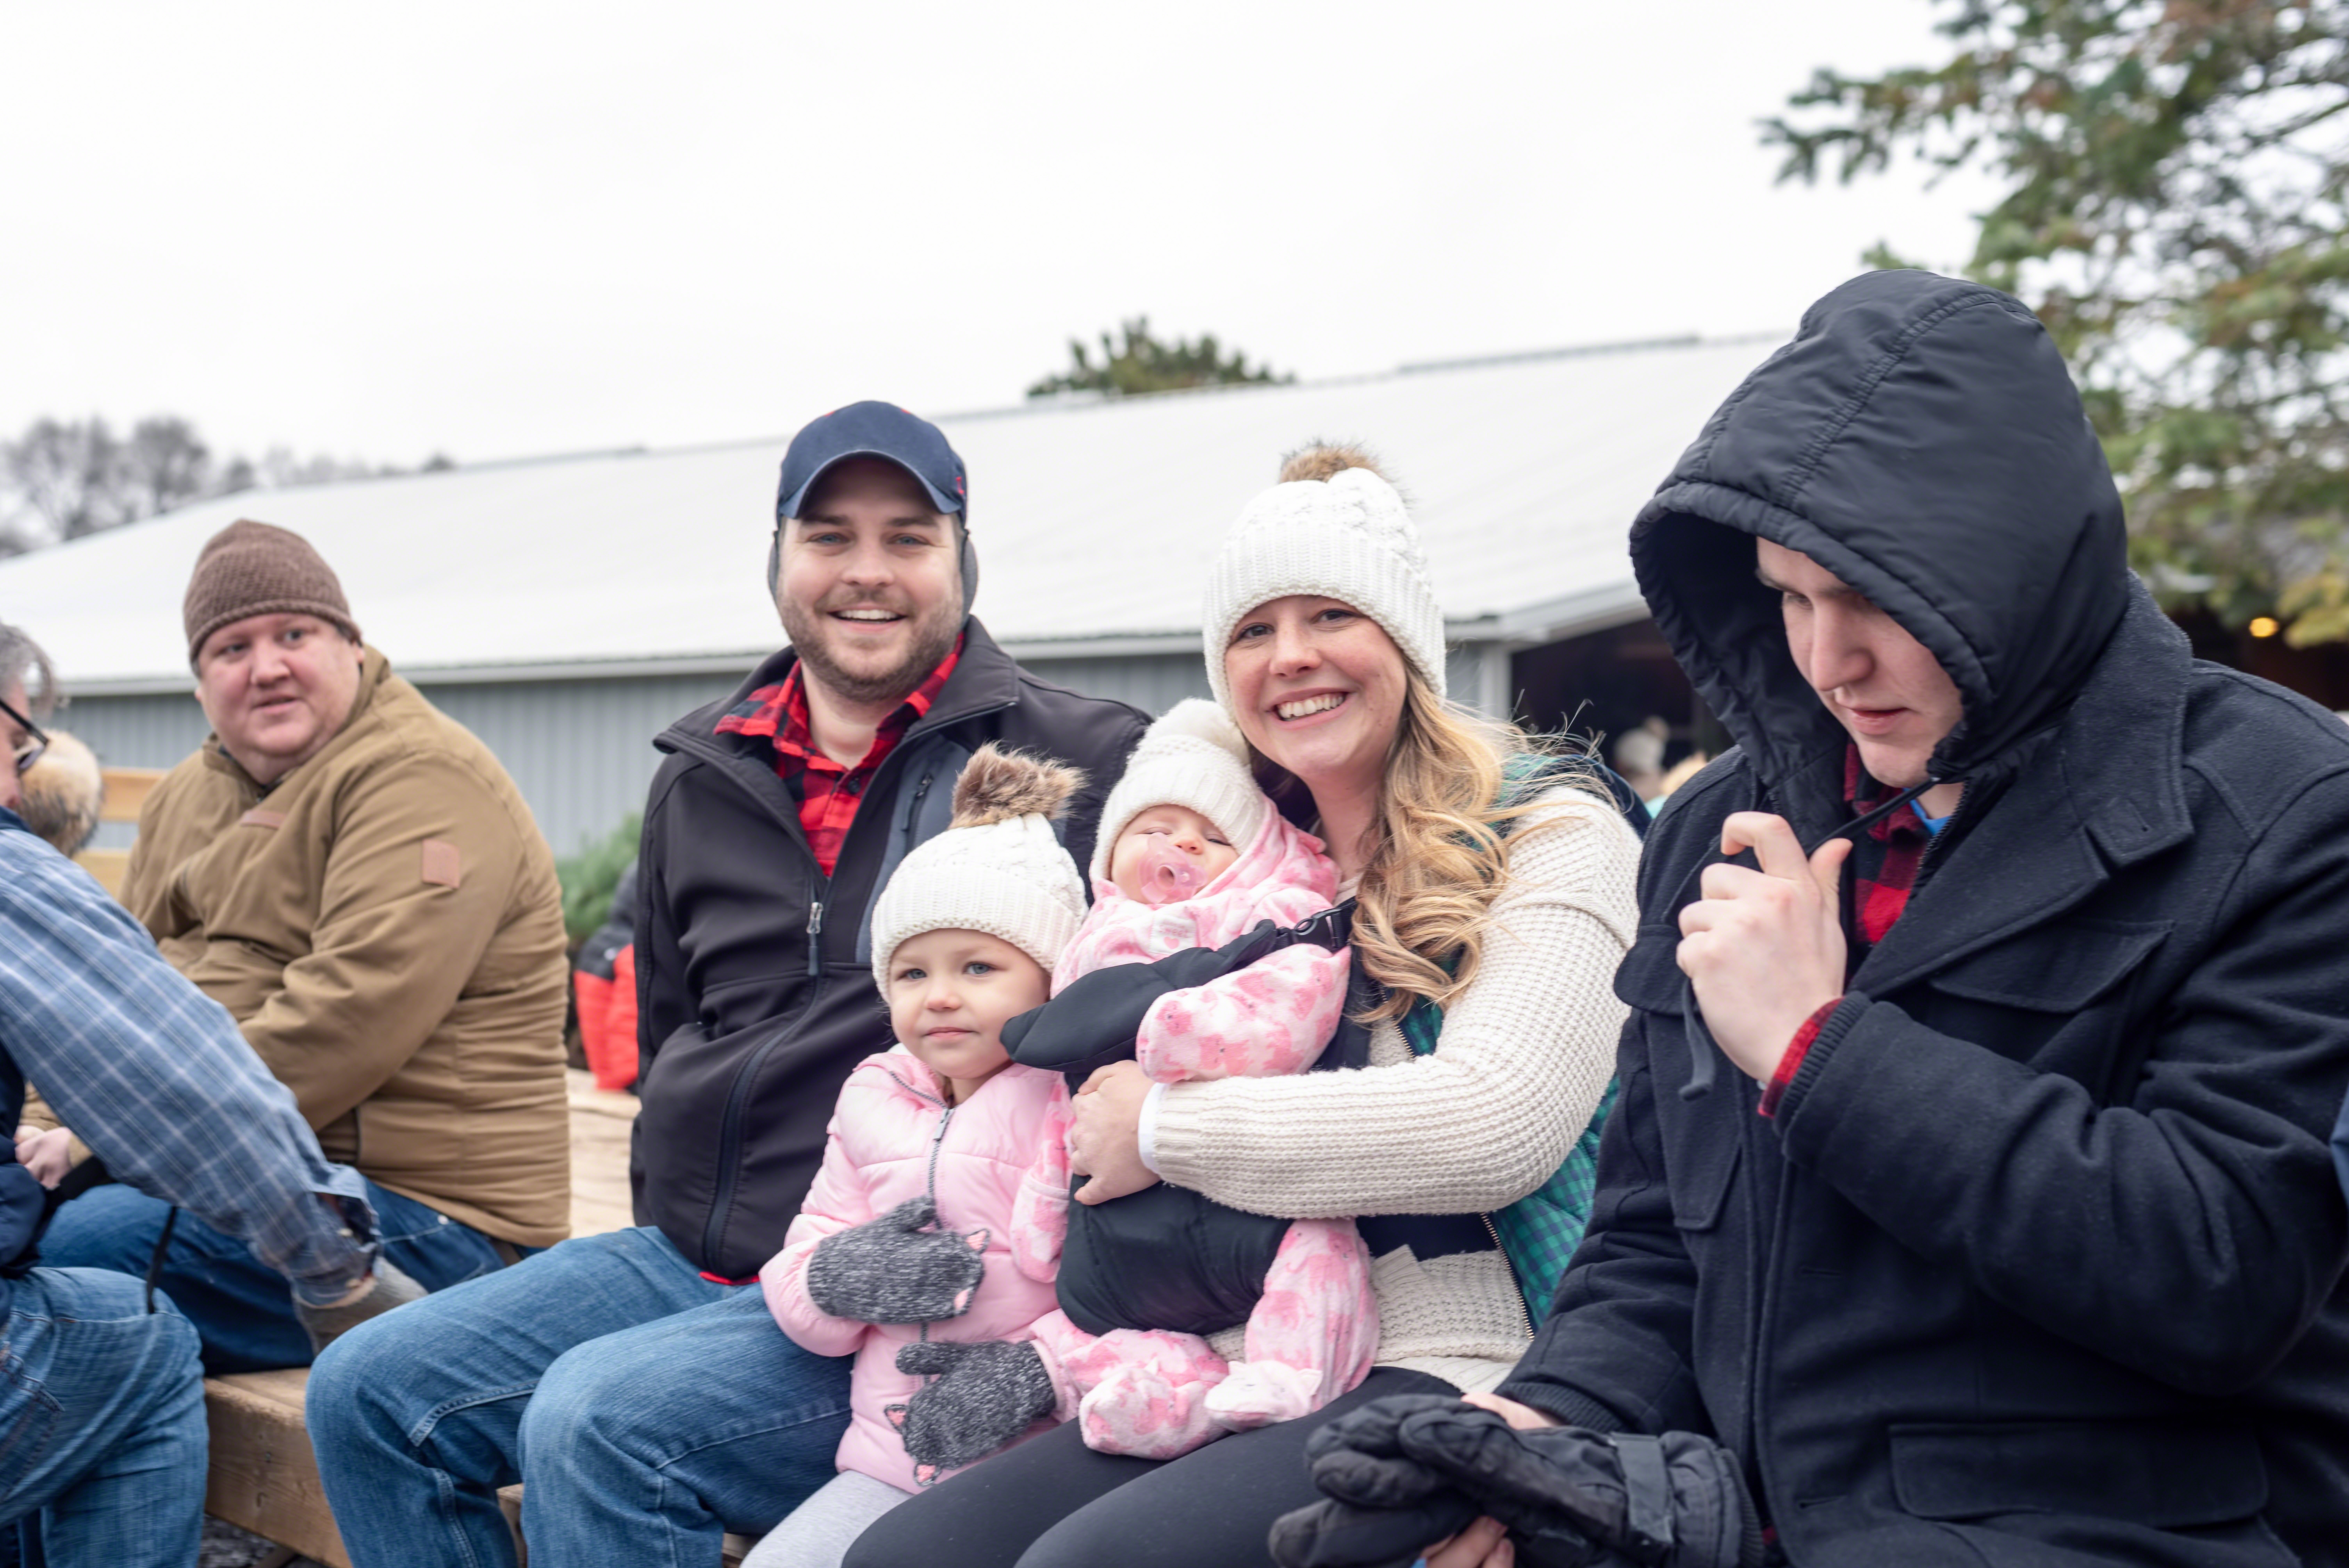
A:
(647, 1409)
(101, 1423)
(242, 1308)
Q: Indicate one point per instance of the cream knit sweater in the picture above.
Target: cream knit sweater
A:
(1527, 1053)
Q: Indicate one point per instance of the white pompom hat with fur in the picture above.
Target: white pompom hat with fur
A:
(1336, 529)
(996, 869)
(1193, 756)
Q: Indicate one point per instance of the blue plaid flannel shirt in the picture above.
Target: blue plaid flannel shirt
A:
(154, 1075)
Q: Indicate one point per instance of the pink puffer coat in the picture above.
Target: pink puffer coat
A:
(877, 1154)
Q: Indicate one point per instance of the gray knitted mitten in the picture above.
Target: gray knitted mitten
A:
(893, 1269)
(988, 1392)
(389, 1288)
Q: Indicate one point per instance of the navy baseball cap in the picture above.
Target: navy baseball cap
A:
(872, 429)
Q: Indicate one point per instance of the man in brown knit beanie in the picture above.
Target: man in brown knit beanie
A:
(253, 586)
(355, 878)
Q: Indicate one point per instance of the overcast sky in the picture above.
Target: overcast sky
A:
(520, 228)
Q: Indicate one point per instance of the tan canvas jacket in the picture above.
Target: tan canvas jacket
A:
(386, 926)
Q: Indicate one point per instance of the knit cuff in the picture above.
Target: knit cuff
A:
(1573, 1408)
(1175, 1134)
(1791, 1061)
(1146, 1134)
(1840, 1023)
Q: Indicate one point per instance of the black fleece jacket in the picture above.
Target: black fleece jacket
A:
(2040, 1260)
(754, 972)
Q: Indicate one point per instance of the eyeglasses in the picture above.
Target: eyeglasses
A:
(28, 751)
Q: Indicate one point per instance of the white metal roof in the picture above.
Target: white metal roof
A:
(1094, 523)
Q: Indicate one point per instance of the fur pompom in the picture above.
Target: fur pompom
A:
(63, 794)
(997, 785)
(1326, 461)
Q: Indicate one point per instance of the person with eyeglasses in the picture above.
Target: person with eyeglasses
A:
(31, 738)
(102, 1438)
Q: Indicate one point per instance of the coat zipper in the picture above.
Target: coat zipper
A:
(1525, 1313)
(930, 1180)
(913, 805)
(730, 1145)
(937, 1142)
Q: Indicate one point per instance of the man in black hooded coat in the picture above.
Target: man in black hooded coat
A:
(2036, 1256)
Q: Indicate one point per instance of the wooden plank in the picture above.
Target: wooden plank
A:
(126, 790)
(108, 866)
(601, 1121)
(264, 1475)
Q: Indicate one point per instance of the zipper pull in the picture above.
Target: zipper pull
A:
(937, 1146)
(913, 805)
(815, 929)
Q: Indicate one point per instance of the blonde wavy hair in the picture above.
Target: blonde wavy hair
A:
(1439, 844)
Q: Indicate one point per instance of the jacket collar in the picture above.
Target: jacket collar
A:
(2106, 792)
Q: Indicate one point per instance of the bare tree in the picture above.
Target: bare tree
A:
(63, 479)
(67, 476)
(164, 465)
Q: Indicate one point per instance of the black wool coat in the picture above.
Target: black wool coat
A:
(2040, 1260)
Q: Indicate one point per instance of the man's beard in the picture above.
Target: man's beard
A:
(933, 639)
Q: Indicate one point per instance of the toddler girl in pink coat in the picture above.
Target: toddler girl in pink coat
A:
(1192, 855)
(901, 1254)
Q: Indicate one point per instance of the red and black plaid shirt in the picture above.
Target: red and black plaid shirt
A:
(828, 791)
(1883, 868)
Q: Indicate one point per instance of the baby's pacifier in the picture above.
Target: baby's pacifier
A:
(1168, 875)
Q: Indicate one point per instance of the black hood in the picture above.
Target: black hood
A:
(1921, 439)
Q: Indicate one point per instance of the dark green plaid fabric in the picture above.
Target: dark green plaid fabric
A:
(1540, 1231)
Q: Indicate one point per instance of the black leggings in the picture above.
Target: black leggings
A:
(1055, 1503)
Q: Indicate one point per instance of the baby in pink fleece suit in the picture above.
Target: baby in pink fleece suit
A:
(1191, 854)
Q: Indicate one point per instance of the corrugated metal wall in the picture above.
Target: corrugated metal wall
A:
(1153, 683)
(580, 751)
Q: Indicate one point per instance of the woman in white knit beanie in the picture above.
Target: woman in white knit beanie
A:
(1494, 898)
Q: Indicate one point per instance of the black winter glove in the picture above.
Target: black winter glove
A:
(1571, 1498)
(893, 1269)
(988, 1392)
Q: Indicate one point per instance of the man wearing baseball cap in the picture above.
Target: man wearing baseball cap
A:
(635, 1382)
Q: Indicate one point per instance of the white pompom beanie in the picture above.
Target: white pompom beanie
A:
(998, 870)
(1348, 538)
(1192, 756)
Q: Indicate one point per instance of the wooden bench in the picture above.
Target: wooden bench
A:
(126, 790)
(264, 1475)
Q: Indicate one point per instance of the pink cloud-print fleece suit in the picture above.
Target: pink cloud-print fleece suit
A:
(1315, 1330)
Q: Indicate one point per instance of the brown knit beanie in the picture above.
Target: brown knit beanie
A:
(253, 569)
